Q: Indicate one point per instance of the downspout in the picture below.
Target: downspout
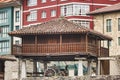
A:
(103, 26)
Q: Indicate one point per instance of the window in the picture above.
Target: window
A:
(43, 1)
(28, 17)
(4, 46)
(17, 14)
(108, 25)
(17, 27)
(31, 2)
(17, 42)
(3, 16)
(118, 24)
(4, 31)
(32, 16)
(74, 9)
(52, 0)
(82, 23)
(119, 41)
(113, 0)
(109, 44)
(43, 15)
(53, 13)
(63, 0)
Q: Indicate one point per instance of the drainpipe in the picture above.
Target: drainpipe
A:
(103, 26)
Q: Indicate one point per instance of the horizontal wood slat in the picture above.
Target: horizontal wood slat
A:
(44, 49)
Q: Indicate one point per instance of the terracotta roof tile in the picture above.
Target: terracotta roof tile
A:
(5, 3)
(115, 7)
(56, 26)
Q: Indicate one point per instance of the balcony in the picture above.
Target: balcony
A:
(104, 52)
(58, 49)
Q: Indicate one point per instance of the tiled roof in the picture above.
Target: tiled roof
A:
(5, 3)
(115, 7)
(56, 26)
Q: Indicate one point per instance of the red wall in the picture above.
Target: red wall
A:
(50, 3)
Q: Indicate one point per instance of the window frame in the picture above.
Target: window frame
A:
(119, 41)
(108, 25)
(75, 10)
(32, 16)
(53, 13)
(3, 16)
(4, 31)
(118, 24)
(31, 3)
(17, 27)
(43, 1)
(17, 16)
(43, 14)
(4, 46)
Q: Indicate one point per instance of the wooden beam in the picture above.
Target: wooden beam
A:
(108, 46)
(36, 44)
(86, 39)
(99, 51)
(60, 43)
(106, 58)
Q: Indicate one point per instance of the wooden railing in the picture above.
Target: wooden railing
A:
(17, 49)
(57, 48)
(93, 49)
(104, 52)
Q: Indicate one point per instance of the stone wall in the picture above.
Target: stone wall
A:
(11, 70)
(116, 77)
(100, 25)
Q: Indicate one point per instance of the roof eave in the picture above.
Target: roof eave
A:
(12, 3)
(95, 13)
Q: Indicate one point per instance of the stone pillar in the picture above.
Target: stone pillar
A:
(89, 67)
(98, 69)
(23, 69)
(35, 67)
(45, 65)
(10, 70)
(80, 68)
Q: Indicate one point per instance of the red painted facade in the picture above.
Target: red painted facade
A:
(56, 5)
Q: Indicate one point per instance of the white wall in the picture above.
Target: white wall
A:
(17, 8)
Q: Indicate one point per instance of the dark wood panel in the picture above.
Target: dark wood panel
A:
(104, 52)
(1, 76)
(55, 44)
(55, 48)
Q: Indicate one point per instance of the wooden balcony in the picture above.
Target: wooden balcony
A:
(58, 49)
(104, 52)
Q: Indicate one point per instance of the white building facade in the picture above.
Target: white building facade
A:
(107, 21)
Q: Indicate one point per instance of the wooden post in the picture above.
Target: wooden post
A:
(108, 47)
(97, 67)
(99, 51)
(36, 44)
(12, 45)
(60, 43)
(86, 39)
(89, 67)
